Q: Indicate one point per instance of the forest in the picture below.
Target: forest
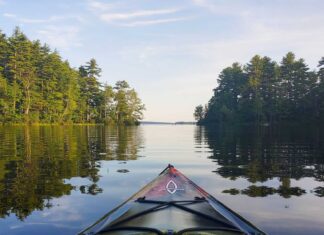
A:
(266, 92)
(38, 86)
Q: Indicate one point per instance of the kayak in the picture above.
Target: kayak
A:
(172, 204)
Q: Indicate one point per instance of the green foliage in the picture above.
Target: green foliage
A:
(266, 92)
(90, 88)
(199, 113)
(36, 85)
(127, 107)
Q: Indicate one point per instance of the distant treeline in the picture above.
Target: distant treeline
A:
(265, 92)
(36, 85)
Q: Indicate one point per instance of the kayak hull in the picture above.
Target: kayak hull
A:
(169, 204)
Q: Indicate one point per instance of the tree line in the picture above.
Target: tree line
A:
(266, 92)
(37, 85)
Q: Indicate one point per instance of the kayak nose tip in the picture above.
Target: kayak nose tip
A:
(169, 168)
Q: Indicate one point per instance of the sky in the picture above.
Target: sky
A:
(170, 51)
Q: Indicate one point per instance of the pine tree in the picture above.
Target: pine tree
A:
(121, 88)
(90, 88)
(17, 44)
(21, 72)
(269, 89)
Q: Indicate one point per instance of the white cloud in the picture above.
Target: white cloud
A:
(258, 39)
(143, 13)
(64, 212)
(115, 13)
(54, 33)
(152, 22)
(267, 29)
(204, 3)
(96, 5)
(236, 8)
(9, 15)
(61, 37)
(55, 30)
(51, 19)
(100, 6)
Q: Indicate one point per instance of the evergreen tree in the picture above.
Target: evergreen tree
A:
(297, 84)
(90, 88)
(121, 88)
(269, 89)
(225, 103)
(252, 90)
(15, 69)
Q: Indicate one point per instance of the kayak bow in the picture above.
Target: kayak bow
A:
(172, 204)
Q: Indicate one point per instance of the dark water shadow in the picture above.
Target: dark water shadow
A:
(260, 154)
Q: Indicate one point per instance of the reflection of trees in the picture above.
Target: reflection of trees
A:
(122, 143)
(319, 191)
(260, 154)
(92, 189)
(263, 191)
(35, 161)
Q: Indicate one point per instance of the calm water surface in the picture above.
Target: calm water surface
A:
(58, 180)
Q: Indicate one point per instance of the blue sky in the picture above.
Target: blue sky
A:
(170, 51)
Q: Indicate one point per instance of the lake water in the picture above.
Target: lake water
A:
(58, 180)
